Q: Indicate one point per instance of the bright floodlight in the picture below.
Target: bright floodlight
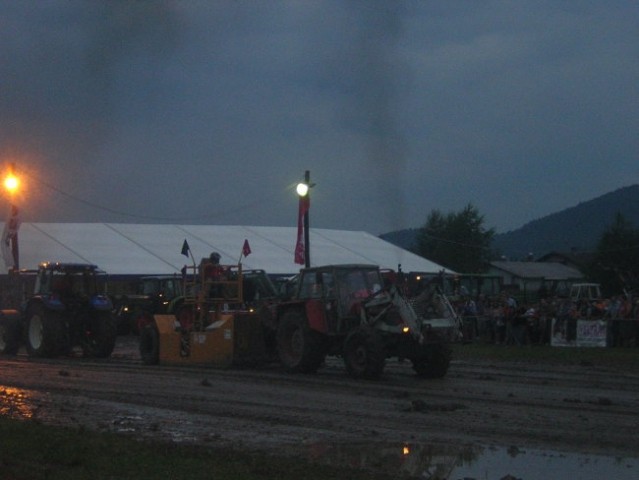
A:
(11, 183)
(302, 189)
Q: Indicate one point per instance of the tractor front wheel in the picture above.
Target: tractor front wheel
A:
(150, 344)
(45, 335)
(100, 336)
(300, 349)
(364, 354)
(434, 361)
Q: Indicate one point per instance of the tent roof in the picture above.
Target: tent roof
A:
(531, 270)
(140, 249)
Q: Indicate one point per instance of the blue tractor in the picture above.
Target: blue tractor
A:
(69, 308)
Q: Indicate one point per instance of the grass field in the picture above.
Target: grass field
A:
(31, 451)
(601, 357)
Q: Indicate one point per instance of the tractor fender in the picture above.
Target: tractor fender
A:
(10, 314)
(313, 310)
(316, 315)
(48, 302)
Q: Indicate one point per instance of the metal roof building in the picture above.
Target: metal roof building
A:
(139, 249)
(530, 277)
(551, 271)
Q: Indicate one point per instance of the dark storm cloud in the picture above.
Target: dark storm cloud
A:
(525, 102)
(66, 64)
(197, 111)
(62, 61)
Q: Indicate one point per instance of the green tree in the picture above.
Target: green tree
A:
(616, 260)
(458, 240)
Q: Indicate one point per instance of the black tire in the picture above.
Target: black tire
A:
(150, 345)
(364, 354)
(9, 335)
(300, 349)
(434, 361)
(45, 334)
(100, 336)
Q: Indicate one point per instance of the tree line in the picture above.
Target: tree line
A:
(460, 241)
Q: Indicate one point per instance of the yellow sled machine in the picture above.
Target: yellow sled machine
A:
(212, 326)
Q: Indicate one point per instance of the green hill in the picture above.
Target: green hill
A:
(576, 228)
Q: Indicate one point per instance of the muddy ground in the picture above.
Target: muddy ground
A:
(585, 409)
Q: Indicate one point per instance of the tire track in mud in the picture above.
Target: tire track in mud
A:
(569, 407)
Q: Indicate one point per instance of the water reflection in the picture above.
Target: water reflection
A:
(415, 460)
(451, 462)
(16, 403)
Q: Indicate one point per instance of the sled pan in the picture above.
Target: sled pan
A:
(235, 338)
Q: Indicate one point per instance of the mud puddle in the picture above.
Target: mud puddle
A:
(409, 460)
(441, 462)
(19, 403)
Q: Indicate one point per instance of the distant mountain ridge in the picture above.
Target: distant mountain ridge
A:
(576, 228)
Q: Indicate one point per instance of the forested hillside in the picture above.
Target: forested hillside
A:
(576, 228)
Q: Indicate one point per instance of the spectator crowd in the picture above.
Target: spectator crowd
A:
(505, 320)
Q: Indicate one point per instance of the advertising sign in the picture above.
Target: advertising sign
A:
(591, 333)
(579, 333)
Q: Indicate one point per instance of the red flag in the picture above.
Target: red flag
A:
(10, 239)
(246, 249)
(300, 249)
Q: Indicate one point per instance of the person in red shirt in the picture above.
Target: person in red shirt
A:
(212, 269)
(212, 273)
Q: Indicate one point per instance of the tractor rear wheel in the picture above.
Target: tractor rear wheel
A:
(364, 354)
(150, 344)
(300, 349)
(434, 361)
(9, 335)
(100, 336)
(45, 332)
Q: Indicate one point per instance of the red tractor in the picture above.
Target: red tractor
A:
(355, 312)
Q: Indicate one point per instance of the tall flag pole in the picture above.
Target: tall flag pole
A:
(301, 247)
(10, 249)
(9, 246)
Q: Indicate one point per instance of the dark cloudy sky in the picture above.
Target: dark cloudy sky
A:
(210, 111)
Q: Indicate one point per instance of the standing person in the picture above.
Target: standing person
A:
(213, 273)
(497, 322)
(481, 308)
(510, 310)
(469, 315)
(543, 321)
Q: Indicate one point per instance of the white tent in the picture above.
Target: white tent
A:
(138, 249)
